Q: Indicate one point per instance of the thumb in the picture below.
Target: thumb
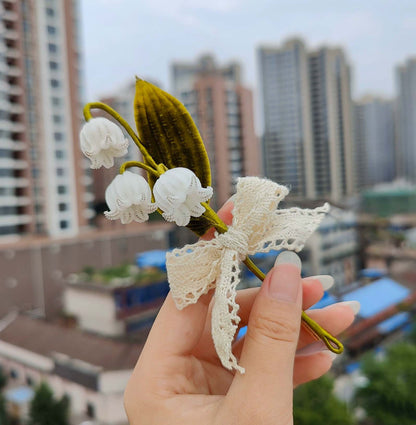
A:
(273, 331)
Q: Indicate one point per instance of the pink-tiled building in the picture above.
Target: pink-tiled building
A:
(222, 108)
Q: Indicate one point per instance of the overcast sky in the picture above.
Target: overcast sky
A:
(122, 38)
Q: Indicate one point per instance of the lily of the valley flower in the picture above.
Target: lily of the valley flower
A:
(102, 141)
(178, 193)
(129, 198)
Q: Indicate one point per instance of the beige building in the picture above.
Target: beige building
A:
(308, 128)
(34, 271)
(92, 371)
(222, 108)
(44, 184)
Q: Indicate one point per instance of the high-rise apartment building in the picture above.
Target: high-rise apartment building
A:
(44, 182)
(307, 107)
(406, 120)
(287, 137)
(374, 133)
(222, 109)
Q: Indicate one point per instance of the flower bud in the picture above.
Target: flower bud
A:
(102, 141)
(178, 193)
(129, 198)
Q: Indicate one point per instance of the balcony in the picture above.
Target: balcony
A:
(9, 15)
(13, 182)
(15, 220)
(14, 201)
(14, 71)
(15, 90)
(16, 108)
(14, 164)
(12, 53)
(11, 35)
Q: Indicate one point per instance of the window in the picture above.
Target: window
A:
(53, 48)
(54, 83)
(58, 137)
(53, 65)
(57, 119)
(63, 207)
(90, 410)
(63, 224)
(59, 154)
(60, 172)
(29, 381)
(51, 30)
(14, 374)
(56, 101)
(50, 11)
(61, 190)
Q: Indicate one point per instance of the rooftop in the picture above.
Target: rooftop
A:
(46, 338)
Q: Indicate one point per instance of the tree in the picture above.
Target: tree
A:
(315, 403)
(4, 419)
(389, 396)
(45, 410)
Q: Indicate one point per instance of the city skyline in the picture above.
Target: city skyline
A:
(233, 31)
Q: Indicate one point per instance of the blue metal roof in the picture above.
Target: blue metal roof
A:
(372, 273)
(20, 395)
(154, 258)
(377, 296)
(394, 322)
(326, 300)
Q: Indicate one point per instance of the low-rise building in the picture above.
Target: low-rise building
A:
(123, 306)
(91, 370)
(333, 248)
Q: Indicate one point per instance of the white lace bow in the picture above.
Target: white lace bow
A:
(257, 226)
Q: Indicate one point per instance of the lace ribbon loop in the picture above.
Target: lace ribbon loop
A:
(196, 269)
(234, 239)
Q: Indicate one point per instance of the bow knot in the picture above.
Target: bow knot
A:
(236, 240)
(258, 226)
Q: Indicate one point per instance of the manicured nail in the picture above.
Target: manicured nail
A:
(230, 199)
(309, 350)
(326, 280)
(284, 286)
(354, 306)
(332, 355)
(288, 257)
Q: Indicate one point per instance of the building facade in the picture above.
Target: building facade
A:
(222, 109)
(91, 371)
(34, 272)
(44, 181)
(406, 120)
(374, 130)
(308, 129)
(287, 139)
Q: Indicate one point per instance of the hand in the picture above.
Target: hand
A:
(179, 379)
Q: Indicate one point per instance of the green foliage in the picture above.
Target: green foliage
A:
(171, 137)
(389, 397)
(3, 380)
(45, 410)
(314, 403)
(4, 419)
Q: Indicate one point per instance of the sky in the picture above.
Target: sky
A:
(124, 38)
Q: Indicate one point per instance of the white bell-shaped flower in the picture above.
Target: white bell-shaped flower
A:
(102, 141)
(129, 198)
(178, 193)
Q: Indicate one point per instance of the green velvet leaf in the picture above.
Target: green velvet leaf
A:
(169, 134)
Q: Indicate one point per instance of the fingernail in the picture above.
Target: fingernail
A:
(326, 280)
(283, 285)
(332, 355)
(354, 305)
(315, 347)
(230, 199)
(288, 257)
